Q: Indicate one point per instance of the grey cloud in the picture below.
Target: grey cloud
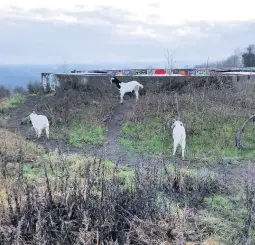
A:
(31, 41)
(15, 8)
(40, 41)
(110, 14)
(154, 5)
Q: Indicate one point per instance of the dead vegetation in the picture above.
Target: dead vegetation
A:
(98, 205)
(75, 200)
(13, 147)
(72, 105)
(57, 199)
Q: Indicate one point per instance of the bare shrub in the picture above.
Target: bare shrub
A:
(246, 234)
(4, 92)
(35, 88)
(89, 204)
(19, 90)
(221, 104)
(79, 106)
(72, 83)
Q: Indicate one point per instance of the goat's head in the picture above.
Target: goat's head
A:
(115, 81)
(175, 123)
(112, 79)
(32, 114)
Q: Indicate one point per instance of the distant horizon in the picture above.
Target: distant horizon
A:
(118, 65)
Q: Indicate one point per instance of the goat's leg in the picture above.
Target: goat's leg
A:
(137, 93)
(175, 147)
(47, 130)
(121, 97)
(36, 133)
(183, 148)
(39, 133)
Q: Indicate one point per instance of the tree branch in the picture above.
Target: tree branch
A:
(239, 145)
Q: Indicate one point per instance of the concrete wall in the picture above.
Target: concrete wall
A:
(158, 83)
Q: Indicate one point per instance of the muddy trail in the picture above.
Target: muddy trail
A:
(111, 149)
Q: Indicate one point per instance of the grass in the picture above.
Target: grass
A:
(218, 214)
(79, 116)
(32, 172)
(224, 215)
(205, 139)
(127, 175)
(97, 194)
(79, 135)
(74, 163)
(3, 120)
(11, 144)
(12, 102)
(145, 137)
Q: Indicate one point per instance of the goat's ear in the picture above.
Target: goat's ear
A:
(172, 126)
(33, 112)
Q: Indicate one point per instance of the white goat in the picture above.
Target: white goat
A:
(179, 136)
(127, 87)
(39, 123)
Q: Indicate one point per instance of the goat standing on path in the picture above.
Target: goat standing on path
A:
(39, 123)
(127, 87)
(179, 136)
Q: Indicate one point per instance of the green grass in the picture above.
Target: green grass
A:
(31, 172)
(73, 162)
(79, 135)
(127, 174)
(208, 139)
(76, 163)
(12, 102)
(145, 137)
(224, 215)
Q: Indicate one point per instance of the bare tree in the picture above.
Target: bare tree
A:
(170, 61)
(207, 63)
(234, 60)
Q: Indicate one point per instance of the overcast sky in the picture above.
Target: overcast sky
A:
(110, 31)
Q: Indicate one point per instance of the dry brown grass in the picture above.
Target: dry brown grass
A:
(14, 146)
(78, 106)
(87, 200)
(221, 103)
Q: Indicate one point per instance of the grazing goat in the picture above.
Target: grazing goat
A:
(39, 123)
(126, 87)
(179, 136)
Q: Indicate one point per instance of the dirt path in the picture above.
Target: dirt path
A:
(112, 147)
